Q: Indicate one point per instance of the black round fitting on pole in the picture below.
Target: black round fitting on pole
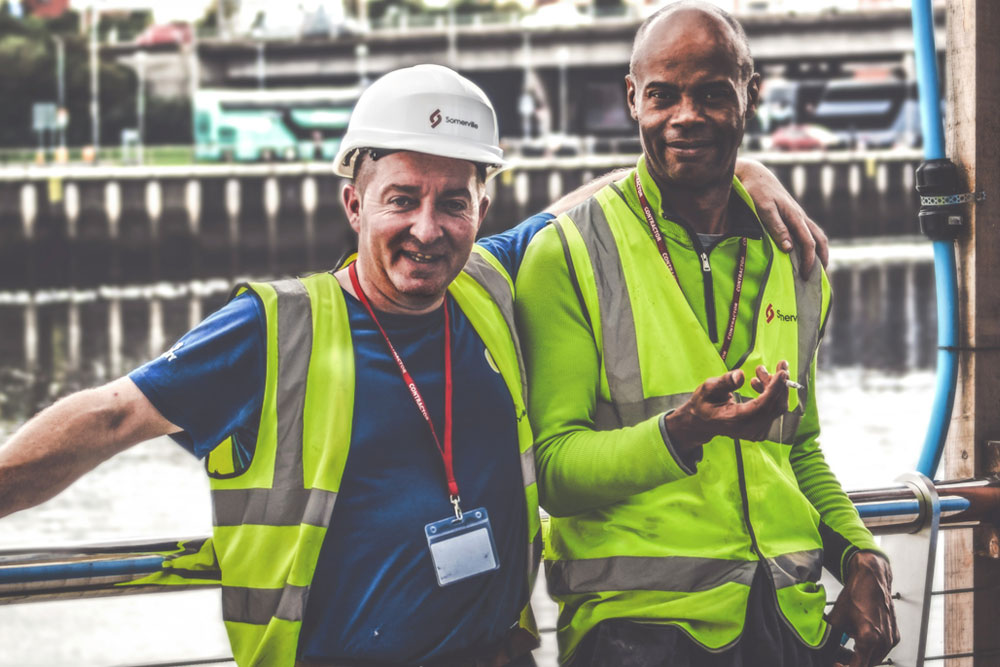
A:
(941, 216)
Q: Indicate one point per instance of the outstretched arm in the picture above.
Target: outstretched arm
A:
(72, 437)
(785, 220)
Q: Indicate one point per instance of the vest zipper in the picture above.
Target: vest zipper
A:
(746, 503)
(706, 279)
(755, 546)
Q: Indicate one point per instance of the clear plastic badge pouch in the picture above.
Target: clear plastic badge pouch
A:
(462, 548)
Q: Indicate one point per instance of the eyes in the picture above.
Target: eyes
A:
(450, 205)
(710, 95)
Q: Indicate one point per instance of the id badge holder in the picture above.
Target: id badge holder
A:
(462, 547)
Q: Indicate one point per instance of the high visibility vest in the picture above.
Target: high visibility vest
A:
(685, 553)
(270, 519)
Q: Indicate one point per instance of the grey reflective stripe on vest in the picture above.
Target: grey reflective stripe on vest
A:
(496, 285)
(258, 605)
(288, 497)
(796, 567)
(682, 574)
(287, 502)
(606, 417)
(498, 288)
(528, 466)
(289, 507)
(294, 349)
(620, 346)
(809, 307)
(783, 429)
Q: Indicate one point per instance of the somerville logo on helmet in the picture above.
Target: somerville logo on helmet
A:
(770, 313)
(436, 118)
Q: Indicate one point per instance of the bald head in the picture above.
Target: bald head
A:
(694, 14)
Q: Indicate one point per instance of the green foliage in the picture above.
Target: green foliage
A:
(126, 25)
(210, 19)
(28, 63)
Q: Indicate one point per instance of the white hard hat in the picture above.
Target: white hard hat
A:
(426, 109)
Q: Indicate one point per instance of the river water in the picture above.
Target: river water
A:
(875, 388)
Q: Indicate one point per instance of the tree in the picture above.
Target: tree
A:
(28, 61)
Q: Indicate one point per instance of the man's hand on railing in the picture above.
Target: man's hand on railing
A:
(864, 610)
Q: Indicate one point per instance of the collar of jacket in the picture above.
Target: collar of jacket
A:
(742, 215)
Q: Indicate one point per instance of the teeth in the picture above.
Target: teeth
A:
(420, 257)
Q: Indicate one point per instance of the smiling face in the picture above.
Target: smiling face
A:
(416, 217)
(689, 94)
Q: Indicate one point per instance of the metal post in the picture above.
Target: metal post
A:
(220, 19)
(261, 73)
(562, 55)
(95, 107)
(61, 114)
(363, 15)
(140, 103)
(361, 58)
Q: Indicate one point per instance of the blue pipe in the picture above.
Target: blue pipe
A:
(902, 507)
(944, 255)
(927, 79)
(80, 570)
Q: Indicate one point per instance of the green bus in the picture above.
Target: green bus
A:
(272, 124)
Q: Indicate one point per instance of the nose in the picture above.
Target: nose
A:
(425, 226)
(687, 111)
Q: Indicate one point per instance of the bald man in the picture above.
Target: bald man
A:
(691, 514)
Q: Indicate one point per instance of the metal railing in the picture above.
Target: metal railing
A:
(908, 516)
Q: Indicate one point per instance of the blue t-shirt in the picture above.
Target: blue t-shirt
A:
(374, 595)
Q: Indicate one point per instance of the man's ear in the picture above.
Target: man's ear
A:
(753, 95)
(484, 206)
(350, 199)
(630, 96)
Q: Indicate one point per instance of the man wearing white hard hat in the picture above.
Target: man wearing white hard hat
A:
(365, 432)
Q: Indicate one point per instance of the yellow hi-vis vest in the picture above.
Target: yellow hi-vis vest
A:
(270, 519)
(685, 553)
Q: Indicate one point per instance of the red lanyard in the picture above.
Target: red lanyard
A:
(446, 457)
(661, 245)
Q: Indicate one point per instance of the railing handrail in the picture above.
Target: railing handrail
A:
(94, 570)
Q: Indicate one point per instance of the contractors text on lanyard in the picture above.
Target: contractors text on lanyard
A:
(444, 449)
(461, 546)
(661, 245)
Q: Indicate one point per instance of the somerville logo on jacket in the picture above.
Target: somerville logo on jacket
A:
(436, 118)
(771, 312)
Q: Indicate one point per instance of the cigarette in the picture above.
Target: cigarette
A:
(792, 384)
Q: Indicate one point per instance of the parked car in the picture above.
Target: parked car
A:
(165, 33)
(804, 138)
(871, 114)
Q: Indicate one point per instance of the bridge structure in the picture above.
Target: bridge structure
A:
(572, 67)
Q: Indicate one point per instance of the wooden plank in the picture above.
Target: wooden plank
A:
(973, 131)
